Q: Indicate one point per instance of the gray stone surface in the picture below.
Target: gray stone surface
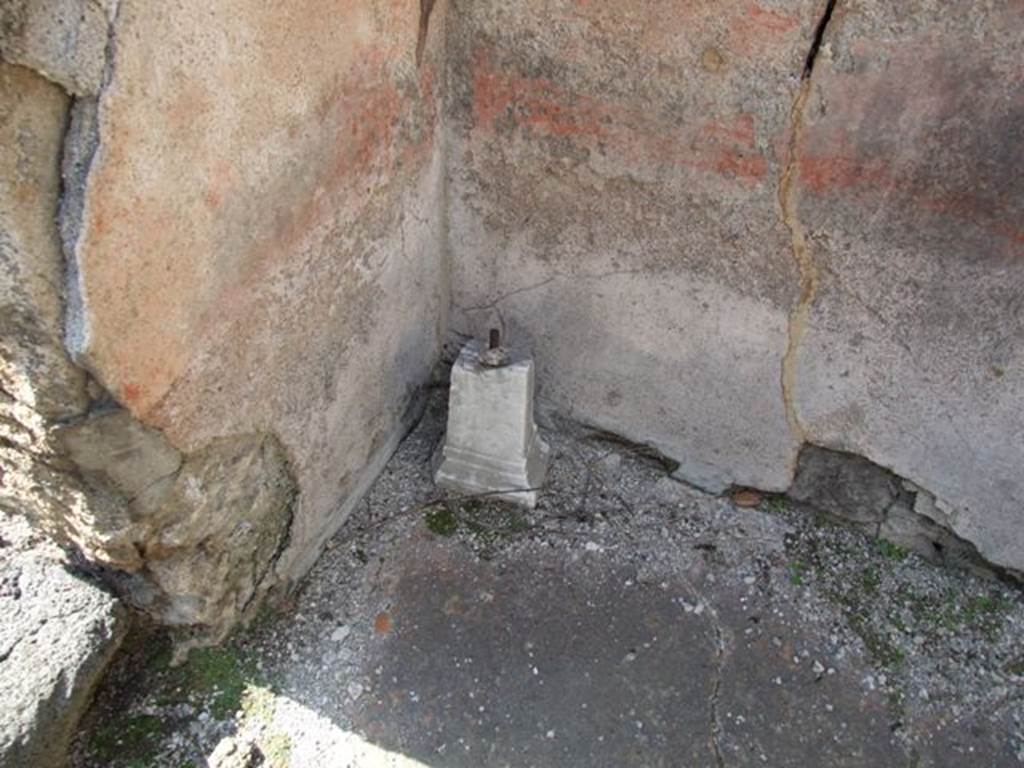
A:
(852, 489)
(573, 662)
(846, 484)
(191, 539)
(59, 632)
(115, 451)
(492, 445)
(219, 532)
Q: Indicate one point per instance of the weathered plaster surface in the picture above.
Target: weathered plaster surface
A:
(36, 371)
(910, 191)
(267, 212)
(38, 382)
(246, 203)
(259, 249)
(712, 255)
(614, 197)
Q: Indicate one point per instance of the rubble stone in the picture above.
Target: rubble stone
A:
(58, 634)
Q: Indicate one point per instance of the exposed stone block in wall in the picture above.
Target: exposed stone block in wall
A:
(64, 40)
(59, 632)
(218, 532)
(855, 490)
(188, 539)
(850, 486)
(114, 452)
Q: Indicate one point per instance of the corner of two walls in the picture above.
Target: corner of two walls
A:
(705, 252)
(253, 229)
(713, 254)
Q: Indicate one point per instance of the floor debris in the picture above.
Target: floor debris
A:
(627, 621)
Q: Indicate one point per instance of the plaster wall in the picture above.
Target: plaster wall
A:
(234, 236)
(715, 255)
(244, 231)
(260, 247)
(908, 188)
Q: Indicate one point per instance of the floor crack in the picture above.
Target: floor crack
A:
(716, 688)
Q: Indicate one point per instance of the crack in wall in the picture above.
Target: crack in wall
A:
(819, 37)
(536, 286)
(810, 275)
(426, 7)
(808, 270)
(81, 145)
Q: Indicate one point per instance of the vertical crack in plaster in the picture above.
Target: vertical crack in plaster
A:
(789, 202)
(445, 206)
(809, 274)
(426, 7)
(819, 37)
(81, 145)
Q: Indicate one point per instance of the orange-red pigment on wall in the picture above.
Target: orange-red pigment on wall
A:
(725, 147)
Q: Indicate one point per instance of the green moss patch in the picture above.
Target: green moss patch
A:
(442, 521)
(485, 522)
(217, 673)
(891, 551)
(131, 740)
(797, 571)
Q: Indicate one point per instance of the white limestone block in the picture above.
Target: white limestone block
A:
(492, 444)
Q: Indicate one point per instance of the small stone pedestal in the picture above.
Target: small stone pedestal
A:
(492, 444)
